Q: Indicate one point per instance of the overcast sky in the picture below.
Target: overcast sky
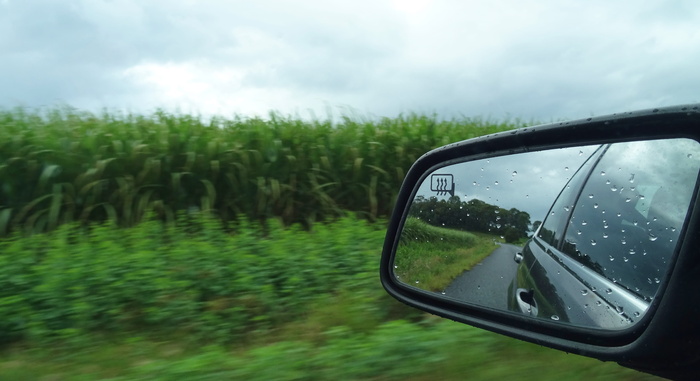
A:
(532, 181)
(528, 181)
(529, 59)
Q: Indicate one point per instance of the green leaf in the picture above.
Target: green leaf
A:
(55, 208)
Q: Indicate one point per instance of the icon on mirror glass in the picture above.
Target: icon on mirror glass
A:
(442, 184)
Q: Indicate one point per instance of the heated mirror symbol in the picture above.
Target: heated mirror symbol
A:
(443, 184)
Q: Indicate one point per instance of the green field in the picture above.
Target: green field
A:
(165, 248)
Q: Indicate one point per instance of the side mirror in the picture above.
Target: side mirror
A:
(579, 236)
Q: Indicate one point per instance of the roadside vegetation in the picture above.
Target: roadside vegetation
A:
(62, 165)
(431, 257)
(165, 248)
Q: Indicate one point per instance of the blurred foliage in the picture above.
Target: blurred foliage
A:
(190, 278)
(60, 165)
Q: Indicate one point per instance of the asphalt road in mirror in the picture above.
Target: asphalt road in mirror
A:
(487, 283)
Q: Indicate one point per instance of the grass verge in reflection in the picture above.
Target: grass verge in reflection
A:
(431, 257)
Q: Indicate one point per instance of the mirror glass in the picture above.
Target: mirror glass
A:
(582, 235)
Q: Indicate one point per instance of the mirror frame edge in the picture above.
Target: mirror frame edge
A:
(628, 347)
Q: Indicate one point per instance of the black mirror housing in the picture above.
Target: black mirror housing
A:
(665, 340)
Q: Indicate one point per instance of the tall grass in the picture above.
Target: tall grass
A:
(60, 165)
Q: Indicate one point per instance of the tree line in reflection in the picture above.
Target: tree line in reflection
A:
(473, 215)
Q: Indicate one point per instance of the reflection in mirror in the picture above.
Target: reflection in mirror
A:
(583, 235)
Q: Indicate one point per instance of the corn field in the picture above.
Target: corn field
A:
(63, 165)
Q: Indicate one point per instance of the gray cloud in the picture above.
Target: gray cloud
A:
(531, 59)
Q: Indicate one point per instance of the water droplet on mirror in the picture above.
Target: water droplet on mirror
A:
(690, 156)
(496, 211)
(554, 317)
(619, 214)
(657, 280)
(590, 195)
(611, 258)
(625, 259)
(632, 252)
(608, 291)
(631, 180)
(623, 241)
(579, 232)
(628, 199)
(584, 223)
(396, 267)
(652, 238)
(515, 173)
(566, 168)
(598, 303)
(580, 153)
(595, 206)
(584, 292)
(443, 292)
(602, 173)
(613, 188)
(619, 310)
(593, 242)
(417, 282)
(605, 235)
(495, 183)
